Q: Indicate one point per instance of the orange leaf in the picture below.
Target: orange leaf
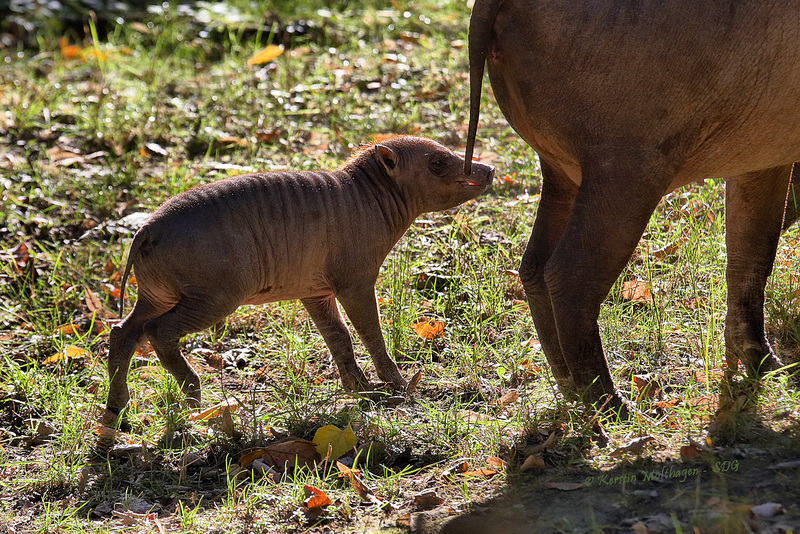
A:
(111, 290)
(69, 353)
(495, 462)
(315, 497)
(69, 329)
(480, 473)
(69, 51)
(93, 53)
(215, 411)
(636, 291)
(248, 458)
(265, 55)
(429, 329)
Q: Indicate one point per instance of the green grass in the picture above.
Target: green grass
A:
(173, 105)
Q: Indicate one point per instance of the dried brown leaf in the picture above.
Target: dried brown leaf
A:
(533, 461)
(427, 500)
(636, 291)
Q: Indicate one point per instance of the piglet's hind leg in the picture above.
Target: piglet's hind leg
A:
(123, 340)
(164, 332)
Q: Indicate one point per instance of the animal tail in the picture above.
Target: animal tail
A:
(480, 31)
(133, 253)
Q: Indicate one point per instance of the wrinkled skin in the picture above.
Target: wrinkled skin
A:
(624, 102)
(314, 236)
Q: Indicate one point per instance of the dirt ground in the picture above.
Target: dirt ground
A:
(750, 486)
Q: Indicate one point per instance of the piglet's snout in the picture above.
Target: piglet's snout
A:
(482, 172)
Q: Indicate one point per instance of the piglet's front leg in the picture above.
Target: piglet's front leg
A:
(329, 322)
(362, 308)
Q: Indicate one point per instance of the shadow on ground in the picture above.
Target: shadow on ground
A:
(715, 493)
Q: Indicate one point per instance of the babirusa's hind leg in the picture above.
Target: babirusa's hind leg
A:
(620, 188)
(164, 333)
(754, 213)
(555, 205)
(123, 340)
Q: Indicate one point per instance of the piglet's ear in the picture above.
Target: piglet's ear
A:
(388, 157)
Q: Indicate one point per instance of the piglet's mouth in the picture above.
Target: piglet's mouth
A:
(470, 183)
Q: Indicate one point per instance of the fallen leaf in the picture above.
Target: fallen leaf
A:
(494, 461)
(227, 424)
(228, 141)
(315, 497)
(293, 452)
(429, 329)
(635, 446)
(69, 329)
(474, 417)
(111, 290)
(67, 50)
(508, 398)
(648, 386)
(364, 492)
(214, 360)
(689, 453)
(669, 249)
(480, 473)
(563, 486)
(265, 136)
(548, 443)
(215, 411)
(533, 461)
(345, 471)
(95, 306)
(69, 353)
(412, 384)
(248, 458)
(332, 442)
(427, 500)
(460, 466)
(265, 55)
(20, 256)
(155, 148)
(636, 291)
(713, 375)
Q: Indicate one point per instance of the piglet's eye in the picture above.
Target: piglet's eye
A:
(437, 166)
